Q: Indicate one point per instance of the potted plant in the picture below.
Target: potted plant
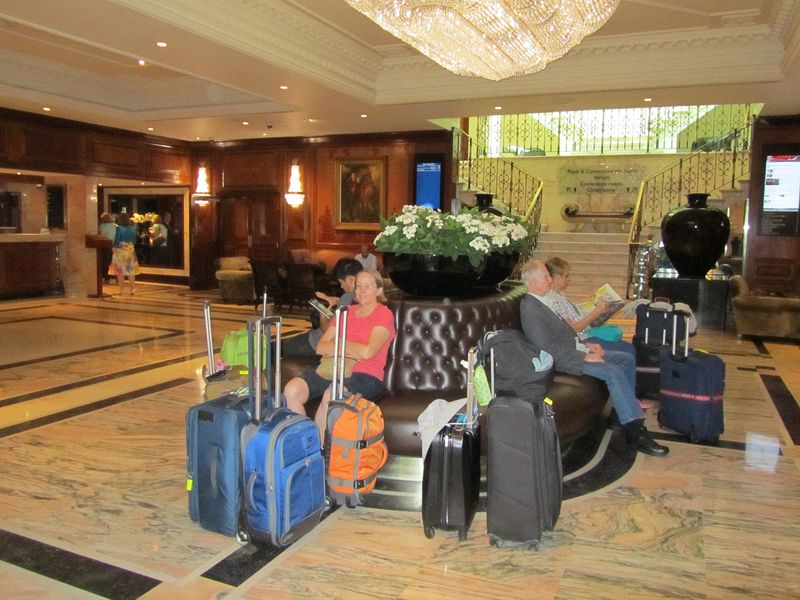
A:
(430, 253)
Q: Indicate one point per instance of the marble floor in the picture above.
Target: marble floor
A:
(93, 395)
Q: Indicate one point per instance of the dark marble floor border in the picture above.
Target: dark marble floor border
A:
(94, 576)
(785, 403)
(98, 379)
(87, 408)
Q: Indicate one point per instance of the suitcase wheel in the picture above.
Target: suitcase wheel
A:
(429, 532)
(495, 541)
(462, 535)
(533, 545)
(242, 537)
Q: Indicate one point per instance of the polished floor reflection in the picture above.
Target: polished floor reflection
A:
(93, 395)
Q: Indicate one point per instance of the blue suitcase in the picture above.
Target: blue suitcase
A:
(283, 467)
(692, 385)
(213, 474)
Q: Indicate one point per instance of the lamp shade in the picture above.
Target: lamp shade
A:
(294, 196)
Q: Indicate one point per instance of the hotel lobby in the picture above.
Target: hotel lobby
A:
(94, 390)
(94, 395)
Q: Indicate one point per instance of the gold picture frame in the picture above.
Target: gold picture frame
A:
(360, 193)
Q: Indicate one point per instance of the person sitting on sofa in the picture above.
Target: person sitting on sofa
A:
(547, 331)
(370, 331)
(305, 344)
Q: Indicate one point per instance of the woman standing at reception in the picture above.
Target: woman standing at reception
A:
(123, 260)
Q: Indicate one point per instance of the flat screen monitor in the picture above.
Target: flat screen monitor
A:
(429, 180)
(780, 207)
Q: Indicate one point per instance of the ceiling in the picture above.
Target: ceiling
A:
(226, 60)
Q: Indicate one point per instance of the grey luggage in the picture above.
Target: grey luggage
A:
(525, 477)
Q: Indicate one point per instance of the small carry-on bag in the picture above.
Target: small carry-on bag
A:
(235, 345)
(525, 477)
(213, 430)
(354, 446)
(653, 331)
(451, 476)
(690, 397)
(283, 471)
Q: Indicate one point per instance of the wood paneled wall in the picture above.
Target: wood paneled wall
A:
(771, 262)
(238, 168)
(41, 143)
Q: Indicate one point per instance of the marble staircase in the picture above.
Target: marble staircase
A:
(595, 258)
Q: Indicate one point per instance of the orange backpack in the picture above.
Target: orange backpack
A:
(355, 449)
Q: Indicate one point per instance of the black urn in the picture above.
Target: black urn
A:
(694, 237)
(484, 203)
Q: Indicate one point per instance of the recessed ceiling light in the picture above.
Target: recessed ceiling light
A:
(648, 99)
(141, 62)
(197, 138)
(498, 108)
(311, 120)
(363, 115)
(245, 122)
(150, 129)
(284, 87)
(161, 44)
(263, 133)
(46, 109)
(19, 172)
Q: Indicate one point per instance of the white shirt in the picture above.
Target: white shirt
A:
(370, 263)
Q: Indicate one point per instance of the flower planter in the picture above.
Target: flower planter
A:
(498, 268)
(433, 275)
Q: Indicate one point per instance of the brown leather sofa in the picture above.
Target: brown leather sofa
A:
(433, 337)
(761, 315)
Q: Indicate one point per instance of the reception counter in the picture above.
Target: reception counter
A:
(30, 264)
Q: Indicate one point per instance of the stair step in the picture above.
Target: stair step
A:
(580, 237)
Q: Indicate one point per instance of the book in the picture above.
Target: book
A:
(321, 308)
(604, 292)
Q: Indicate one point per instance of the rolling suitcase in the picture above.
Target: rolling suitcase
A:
(354, 446)
(283, 468)
(451, 476)
(213, 449)
(525, 476)
(690, 396)
(653, 331)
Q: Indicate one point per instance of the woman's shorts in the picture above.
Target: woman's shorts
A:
(358, 383)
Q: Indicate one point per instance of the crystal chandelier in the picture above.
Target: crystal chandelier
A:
(493, 39)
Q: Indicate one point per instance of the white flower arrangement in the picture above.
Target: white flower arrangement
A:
(472, 233)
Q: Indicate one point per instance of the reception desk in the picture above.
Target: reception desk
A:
(30, 264)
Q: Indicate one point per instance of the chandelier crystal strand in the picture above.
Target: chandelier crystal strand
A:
(493, 39)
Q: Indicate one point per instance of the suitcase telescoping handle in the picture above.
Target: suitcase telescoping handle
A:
(472, 402)
(675, 316)
(212, 367)
(258, 329)
(264, 304)
(339, 352)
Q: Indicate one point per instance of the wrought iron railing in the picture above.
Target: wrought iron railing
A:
(656, 129)
(716, 164)
(516, 190)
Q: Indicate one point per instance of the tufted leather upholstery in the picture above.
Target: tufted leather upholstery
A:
(424, 363)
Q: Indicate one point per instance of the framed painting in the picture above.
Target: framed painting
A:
(360, 194)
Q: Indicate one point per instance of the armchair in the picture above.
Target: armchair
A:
(762, 315)
(235, 279)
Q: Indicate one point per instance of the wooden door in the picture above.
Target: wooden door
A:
(249, 225)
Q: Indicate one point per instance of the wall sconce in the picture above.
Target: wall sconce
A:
(202, 187)
(295, 196)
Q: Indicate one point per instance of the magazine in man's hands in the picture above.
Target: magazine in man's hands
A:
(604, 292)
(321, 308)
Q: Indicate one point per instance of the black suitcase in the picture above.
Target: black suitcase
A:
(451, 474)
(654, 327)
(525, 476)
(690, 398)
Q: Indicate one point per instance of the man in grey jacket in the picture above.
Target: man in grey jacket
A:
(547, 331)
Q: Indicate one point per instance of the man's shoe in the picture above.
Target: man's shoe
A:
(647, 445)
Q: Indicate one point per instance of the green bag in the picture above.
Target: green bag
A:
(234, 349)
(609, 333)
(480, 384)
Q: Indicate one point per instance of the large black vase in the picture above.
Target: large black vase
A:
(432, 276)
(498, 268)
(694, 237)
